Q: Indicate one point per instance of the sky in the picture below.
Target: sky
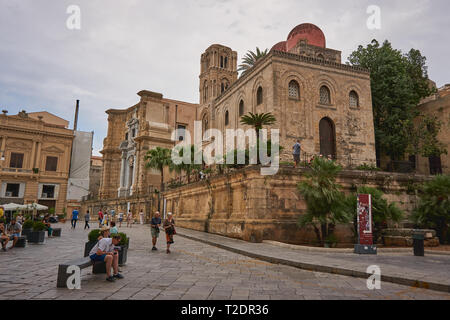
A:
(123, 47)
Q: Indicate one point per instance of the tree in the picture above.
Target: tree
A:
(158, 159)
(382, 211)
(250, 60)
(433, 210)
(424, 140)
(324, 199)
(398, 84)
(257, 121)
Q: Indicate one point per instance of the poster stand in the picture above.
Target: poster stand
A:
(365, 232)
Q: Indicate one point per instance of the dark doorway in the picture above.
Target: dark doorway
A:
(327, 138)
(435, 165)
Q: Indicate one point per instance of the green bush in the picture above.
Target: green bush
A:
(331, 240)
(2, 220)
(28, 224)
(39, 226)
(93, 235)
(433, 210)
(123, 239)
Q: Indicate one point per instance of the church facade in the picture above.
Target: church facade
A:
(315, 98)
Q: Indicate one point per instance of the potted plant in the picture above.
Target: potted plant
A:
(38, 233)
(61, 217)
(27, 228)
(93, 238)
(36, 170)
(123, 253)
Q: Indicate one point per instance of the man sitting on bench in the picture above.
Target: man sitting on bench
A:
(105, 251)
(15, 229)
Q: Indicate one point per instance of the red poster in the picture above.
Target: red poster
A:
(365, 219)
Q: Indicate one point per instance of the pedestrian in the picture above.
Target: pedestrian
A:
(100, 218)
(105, 250)
(120, 219)
(296, 153)
(154, 228)
(87, 217)
(113, 215)
(74, 218)
(169, 228)
(129, 218)
(107, 217)
(141, 216)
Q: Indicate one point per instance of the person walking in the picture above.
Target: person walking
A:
(87, 217)
(129, 219)
(74, 218)
(169, 228)
(296, 149)
(100, 218)
(120, 219)
(141, 216)
(154, 228)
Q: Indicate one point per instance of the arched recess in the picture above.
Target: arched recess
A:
(327, 133)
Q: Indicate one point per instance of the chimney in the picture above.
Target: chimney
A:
(75, 123)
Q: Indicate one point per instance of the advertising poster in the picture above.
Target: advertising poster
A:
(365, 219)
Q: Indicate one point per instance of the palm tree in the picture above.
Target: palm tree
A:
(187, 167)
(326, 203)
(250, 59)
(159, 158)
(257, 121)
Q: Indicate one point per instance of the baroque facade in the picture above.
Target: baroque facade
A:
(314, 97)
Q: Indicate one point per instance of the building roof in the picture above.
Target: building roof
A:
(305, 31)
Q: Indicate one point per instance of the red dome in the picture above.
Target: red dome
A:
(306, 31)
(280, 46)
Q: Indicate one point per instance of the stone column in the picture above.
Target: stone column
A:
(2, 151)
(38, 156)
(33, 153)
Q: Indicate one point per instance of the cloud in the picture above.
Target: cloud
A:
(126, 46)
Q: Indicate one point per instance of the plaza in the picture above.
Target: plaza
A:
(193, 271)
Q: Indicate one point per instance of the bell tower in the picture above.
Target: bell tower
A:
(218, 70)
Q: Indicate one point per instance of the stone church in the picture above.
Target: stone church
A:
(314, 97)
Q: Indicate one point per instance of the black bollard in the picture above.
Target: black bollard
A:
(418, 244)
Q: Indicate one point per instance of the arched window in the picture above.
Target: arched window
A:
(226, 62)
(241, 108)
(205, 123)
(259, 96)
(294, 90)
(205, 91)
(227, 118)
(353, 99)
(327, 138)
(325, 95)
(222, 87)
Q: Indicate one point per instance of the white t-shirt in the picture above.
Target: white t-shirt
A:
(104, 244)
(121, 215)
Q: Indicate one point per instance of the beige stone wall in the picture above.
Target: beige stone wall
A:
(244, 204)
(438, 105)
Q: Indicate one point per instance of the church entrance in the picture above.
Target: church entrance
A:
(327, 138)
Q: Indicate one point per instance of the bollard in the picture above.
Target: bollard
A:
(418, 244)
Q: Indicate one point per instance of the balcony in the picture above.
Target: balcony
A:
(16, 170)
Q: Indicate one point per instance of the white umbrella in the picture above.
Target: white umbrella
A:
(33, 206)
(11, 206)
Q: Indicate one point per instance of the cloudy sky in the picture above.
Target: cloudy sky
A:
(127, 46)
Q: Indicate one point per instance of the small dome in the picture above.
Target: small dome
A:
(306, 31)
(280, 46)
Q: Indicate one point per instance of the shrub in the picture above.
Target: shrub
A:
(28, 224)
(123, 239)
(433, 210)
(39, 226)
(331, 240)
(2, 220)
(93, 235)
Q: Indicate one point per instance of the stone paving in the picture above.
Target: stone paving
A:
(193, 271)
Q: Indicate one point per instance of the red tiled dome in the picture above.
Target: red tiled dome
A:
(280, 46)
(306, 31)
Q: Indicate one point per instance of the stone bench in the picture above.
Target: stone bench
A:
(82, 263)
(21, 242)
(56, 232)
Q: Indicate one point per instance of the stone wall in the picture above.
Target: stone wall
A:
(246, 205)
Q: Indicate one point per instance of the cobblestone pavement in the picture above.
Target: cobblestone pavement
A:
(192, 271)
